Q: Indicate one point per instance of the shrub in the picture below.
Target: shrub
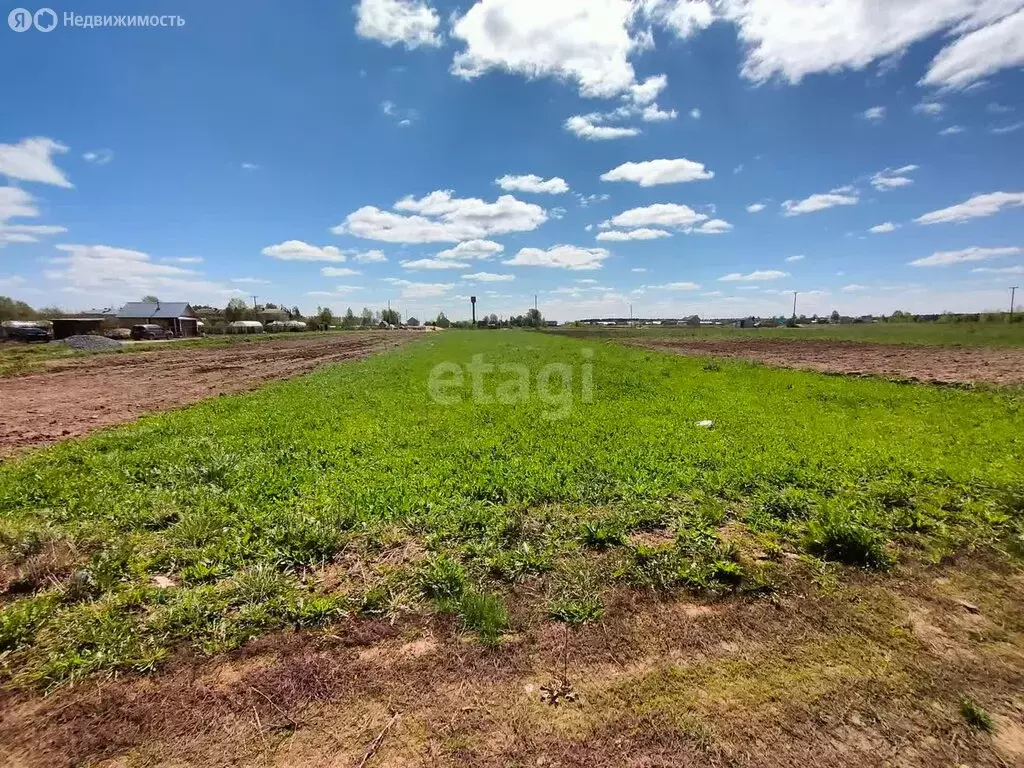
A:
(975, 716)
(836, 534)
(442, 578)
(483, 613)
(787, 504)
(601, 534)
(259, 584)
(576, 610)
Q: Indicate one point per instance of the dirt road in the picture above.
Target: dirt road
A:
(75, 397)
(940, 365)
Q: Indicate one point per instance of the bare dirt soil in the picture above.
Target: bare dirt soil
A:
(872, 673)
(77, 396)
(937, 365)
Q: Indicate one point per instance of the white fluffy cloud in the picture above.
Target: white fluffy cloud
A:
(589, 127)
(32, 160)
(646, 92)
(977, 207)
(433, 264)
(411, 290)
(756, 207)
(370, 257)
(672, 215)
(533, 184)
(121, 273)
(874, 114)
(26, 233)
(297, 250)
(654, 114)
(633, 234)
(249, 281)
(441, 218)
(821, 202)
(1001, 129)
(932, 108)
(338, 271)
(683, 286)
(882, 229)
(795, 38)
(652, 172)
(799, 257)
(949, 258)
(753, 277)
(103, 156)
(17, 203)
(1017, 270)
(472, 249)
(684, 17)
(980, 53)
(586, 43)
(488, 277)
(408, 22)
(952, 130)
(714, 227)
(888, 179)
(560, 256)
(340, 291)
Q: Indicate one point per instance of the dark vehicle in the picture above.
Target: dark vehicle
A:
(150, 333)
(27, 333)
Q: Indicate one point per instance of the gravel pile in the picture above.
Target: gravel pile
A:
(91, 343)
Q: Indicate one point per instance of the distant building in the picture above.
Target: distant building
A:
(176, 316)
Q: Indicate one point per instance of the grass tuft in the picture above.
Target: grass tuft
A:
(975, 716)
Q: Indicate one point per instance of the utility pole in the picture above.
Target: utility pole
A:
(794, 305)
(630, 315)
(472, 300)
(1013, 295)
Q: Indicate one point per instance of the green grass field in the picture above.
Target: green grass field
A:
(994, 334)
(352, 492)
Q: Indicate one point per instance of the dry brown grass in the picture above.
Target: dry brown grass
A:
(870, 673)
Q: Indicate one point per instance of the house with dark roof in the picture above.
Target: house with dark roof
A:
(177, 316)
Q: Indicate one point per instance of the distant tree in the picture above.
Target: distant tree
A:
(492, 319)
(442, 320)
(834, 317)
(534, 319)
(150, 300)
(366, 318)
(693, 320)
(11, 309)
(295, 314)
(324, 317)
(391, 316)
(899, 316)
(349, 320)
(236, 310)
(48, 313)
(412, 322)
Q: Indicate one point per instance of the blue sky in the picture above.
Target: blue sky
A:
(679, 156)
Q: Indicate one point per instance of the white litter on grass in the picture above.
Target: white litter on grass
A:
(705, 424)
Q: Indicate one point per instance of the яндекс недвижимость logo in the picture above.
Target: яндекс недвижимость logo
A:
(22, 19)
(46, 20)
